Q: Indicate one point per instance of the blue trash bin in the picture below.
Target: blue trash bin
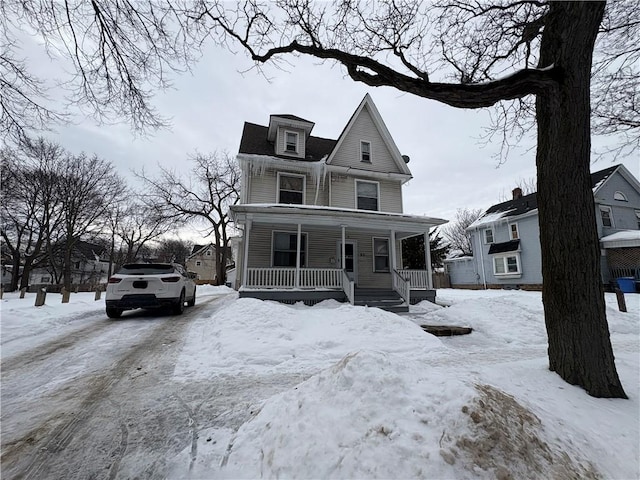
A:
(626, 284)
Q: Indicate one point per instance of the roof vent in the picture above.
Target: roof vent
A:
(406, 158)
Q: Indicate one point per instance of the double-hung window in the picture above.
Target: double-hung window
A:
(605, 214)
(488, 235)
(291, 188)
(291, 142)
(365, 152)
(380, 254)
(513, 231)
(285, 247)
(367, 195)
(638, 218)
(506, 265)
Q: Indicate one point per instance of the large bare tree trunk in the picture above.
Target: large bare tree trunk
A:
(573, 297)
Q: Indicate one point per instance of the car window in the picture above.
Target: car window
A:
(145, 269)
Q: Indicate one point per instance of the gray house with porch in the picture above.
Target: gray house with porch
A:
(506, 238)
(323, 218)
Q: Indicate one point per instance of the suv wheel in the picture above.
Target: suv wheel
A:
(113, 312)
(191, 302)
(178, 308)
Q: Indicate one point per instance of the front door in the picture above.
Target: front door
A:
(350, 257)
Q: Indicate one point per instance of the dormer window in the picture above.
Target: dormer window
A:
(291, 142)
(365, 152)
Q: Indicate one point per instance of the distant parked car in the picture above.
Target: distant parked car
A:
(150, 285)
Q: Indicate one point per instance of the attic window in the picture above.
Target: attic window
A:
(365, 152)
(620, 196)
(291, 142)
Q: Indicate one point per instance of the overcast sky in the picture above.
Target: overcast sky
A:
(451, 168)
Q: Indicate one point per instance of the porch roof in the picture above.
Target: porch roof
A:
(332, 216)
(622, 239)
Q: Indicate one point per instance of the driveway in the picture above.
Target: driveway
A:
(99, 401)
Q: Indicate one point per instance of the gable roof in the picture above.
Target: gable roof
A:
(367, 102)
(254, 142)
(528, 203)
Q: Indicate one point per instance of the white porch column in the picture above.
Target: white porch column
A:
(344, 249)
(427, 261)
(298, 245)
(245, 258)
(393, 250)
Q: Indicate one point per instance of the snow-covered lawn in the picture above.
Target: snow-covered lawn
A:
(383, 399)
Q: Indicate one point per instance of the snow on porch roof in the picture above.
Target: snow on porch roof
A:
(333, 216)
(625, 238)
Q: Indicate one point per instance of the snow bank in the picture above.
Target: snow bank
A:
(254, 336)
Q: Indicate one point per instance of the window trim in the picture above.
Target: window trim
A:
(362, 153)
(356, 181)
(198, 263)
(504, 258)
(373, 249)
(305, 251)
(484, 236)
(608, 209)
(286, 143)
(511, 237)
(620, 196)
(304, 187)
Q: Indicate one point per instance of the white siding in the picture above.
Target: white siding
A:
(264, 188)
(343, 193)
(363, 129)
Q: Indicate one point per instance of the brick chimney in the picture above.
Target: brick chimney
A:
(517, 193)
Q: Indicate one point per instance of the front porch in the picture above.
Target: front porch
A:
(313, 285)
(294, 253)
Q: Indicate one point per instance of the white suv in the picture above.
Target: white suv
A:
(150, 285)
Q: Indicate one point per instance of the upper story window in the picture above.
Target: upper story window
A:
(605, 214)
(208, 253)
(488, 235)
(513, 231)
(291, 188)
(365, 152)
(291, 142)
(367, 195)
(638, 218)
(620, 196)
(198, 263)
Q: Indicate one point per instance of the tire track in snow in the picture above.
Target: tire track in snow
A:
(35, 453)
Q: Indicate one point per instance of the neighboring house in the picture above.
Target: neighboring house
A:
(506, 238)
(89, 266)
(323, 218)
(202, 261)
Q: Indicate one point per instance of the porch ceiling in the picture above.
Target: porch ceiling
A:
(312, 215)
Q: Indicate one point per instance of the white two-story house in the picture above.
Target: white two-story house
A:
(323, 218)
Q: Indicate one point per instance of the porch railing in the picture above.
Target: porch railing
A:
(286, 278)
(402, 286)
(348, 287)
(418, 278)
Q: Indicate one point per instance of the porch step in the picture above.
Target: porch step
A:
(388, 300)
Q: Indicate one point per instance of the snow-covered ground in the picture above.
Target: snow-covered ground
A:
(382, 398)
